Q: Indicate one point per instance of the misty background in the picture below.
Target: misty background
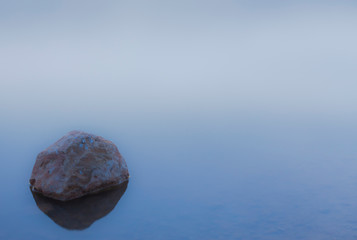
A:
(139, 58)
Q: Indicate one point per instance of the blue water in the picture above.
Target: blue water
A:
(208, 179)
(237, 119)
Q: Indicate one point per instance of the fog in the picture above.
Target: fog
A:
(285, 57)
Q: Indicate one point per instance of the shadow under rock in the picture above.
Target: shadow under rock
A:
(79, 214)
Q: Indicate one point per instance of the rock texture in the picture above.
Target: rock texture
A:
(76, 165)
(80, 213)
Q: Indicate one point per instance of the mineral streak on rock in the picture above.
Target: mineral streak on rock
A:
(76, 165)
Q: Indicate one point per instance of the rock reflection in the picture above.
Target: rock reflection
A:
(79, 214)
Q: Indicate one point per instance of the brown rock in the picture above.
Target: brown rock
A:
(76, 165)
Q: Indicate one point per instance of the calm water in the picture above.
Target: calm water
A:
(237, 119)
(203, 179)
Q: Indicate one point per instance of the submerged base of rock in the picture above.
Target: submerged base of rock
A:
(80, 213)
(78, 164)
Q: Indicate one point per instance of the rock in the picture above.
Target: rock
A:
(76, 165)
(80, 213)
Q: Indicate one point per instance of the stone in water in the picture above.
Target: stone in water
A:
(78, 164)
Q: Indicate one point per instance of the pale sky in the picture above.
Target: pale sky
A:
(293, 57)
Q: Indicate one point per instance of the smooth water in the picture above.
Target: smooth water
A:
(237, 120)
(203, 179)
